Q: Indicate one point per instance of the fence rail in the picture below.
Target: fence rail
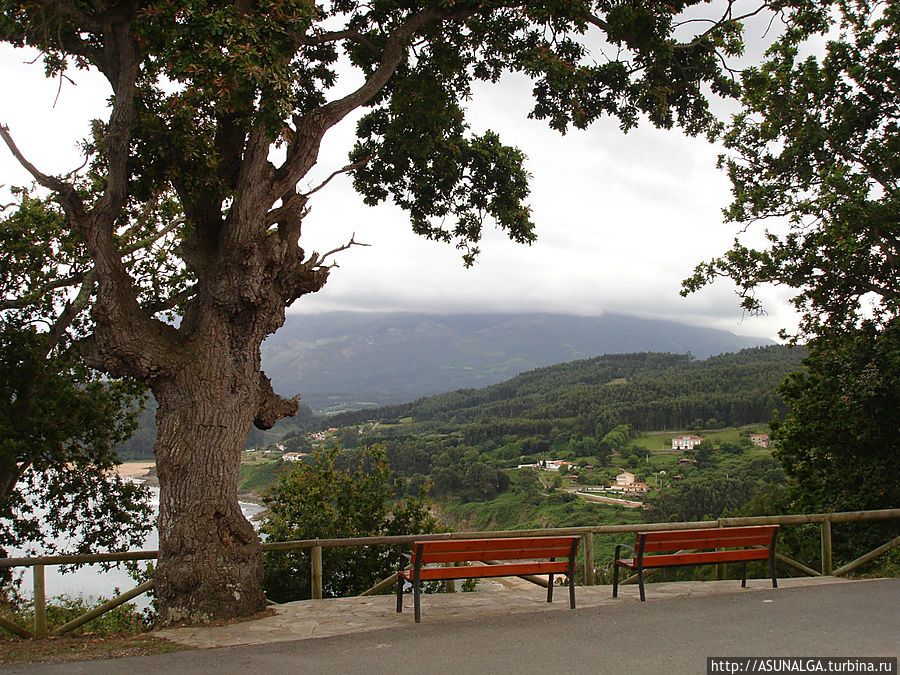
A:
(315, 546)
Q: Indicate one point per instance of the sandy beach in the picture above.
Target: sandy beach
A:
(135, 469)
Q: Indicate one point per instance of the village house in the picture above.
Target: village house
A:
(549, 465)
(686, 442)
(294, 456)
(636, 488)
(761, 440)
(624, 479)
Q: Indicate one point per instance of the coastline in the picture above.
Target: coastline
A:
(145, 471)
(141, 470)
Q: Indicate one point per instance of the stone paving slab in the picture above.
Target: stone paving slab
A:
(342, 616)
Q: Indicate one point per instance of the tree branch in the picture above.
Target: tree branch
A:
(302, 150)
(66, 191)
(346, 169)
(30, 298)
(316, 260)
(337, 36)
(146, 241)
(271, 406)
(726, 19)
(173, 301)
(69, 312)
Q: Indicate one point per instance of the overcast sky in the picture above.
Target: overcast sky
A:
(621, 219)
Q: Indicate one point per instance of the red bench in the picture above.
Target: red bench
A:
(519, 552)
(734, 544)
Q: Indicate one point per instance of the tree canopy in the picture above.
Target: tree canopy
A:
(816, 149)
(336, 496)
(840, 442)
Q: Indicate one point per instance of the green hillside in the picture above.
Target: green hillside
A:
(648, 391)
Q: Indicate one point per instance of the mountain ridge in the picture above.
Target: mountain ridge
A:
(342, 360)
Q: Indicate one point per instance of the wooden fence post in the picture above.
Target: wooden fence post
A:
(40, 602)
(316, 580)
(588, 548)
(720, 567)
(450, 584)
(827, 561)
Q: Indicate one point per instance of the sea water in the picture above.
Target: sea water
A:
(92, 581)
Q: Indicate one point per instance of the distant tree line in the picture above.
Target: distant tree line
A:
(646, 391)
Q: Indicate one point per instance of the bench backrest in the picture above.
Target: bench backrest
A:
(724, 537)
(512, 548)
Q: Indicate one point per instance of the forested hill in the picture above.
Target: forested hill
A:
(347, 360)
(646, 390)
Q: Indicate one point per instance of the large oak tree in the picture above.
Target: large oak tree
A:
(221, 108)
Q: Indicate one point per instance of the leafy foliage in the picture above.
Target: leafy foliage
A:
(816, 147)
(840, 442)
(321, 500)
(59, 420)
(60, 610)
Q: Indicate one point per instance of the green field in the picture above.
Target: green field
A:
(657, 442)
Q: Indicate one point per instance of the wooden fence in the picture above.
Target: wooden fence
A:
(315, 546)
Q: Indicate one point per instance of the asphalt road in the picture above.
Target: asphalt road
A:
(659, 636)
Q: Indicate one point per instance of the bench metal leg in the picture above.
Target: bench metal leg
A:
(416, 594)
(399, 593)
(640, 572)
(550, 588)
(615, 580)
(772, 556)
(571, 574)
(744, 575)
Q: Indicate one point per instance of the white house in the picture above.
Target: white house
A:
(636, 488)
(624, 479)
(686, 442)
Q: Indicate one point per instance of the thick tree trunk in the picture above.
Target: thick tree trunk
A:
(210, 562)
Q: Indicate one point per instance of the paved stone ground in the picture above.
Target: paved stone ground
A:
(504, 631)
(343, 616)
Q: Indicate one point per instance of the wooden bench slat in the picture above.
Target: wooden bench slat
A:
(480, 571)
(699, 558)
(496, 544)
(764, 531)
(493, 554)
(724, 542)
